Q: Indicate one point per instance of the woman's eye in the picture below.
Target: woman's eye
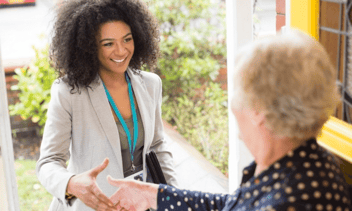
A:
(107, 44)
(128, 39)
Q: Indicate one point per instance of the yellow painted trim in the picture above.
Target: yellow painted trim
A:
(305, 16)
(336, 136)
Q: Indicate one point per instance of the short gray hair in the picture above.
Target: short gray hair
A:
(289, 78)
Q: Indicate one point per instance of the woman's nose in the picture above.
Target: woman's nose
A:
(120, 50)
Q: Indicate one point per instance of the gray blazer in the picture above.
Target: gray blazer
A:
(81, 127)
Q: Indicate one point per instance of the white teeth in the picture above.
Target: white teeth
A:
(118, 61)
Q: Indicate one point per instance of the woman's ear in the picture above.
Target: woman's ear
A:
(257, 118)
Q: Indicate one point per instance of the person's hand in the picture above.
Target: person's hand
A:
(84, 187)
(134, 195)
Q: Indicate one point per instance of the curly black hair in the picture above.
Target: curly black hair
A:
(74, 49)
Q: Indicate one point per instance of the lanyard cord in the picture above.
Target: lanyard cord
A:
(134, 117)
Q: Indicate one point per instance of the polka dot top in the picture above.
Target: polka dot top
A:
(307, 178)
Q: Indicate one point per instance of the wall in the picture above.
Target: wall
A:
(264, 18)
(280, 14)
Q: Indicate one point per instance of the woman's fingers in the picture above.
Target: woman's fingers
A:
(96, 203)
(114, 182)
(85, 187)
(123, 182)
(125, 204)
(101, 196)
(132, 208)
(93, 202)
(118, 207)
(129, 195)
(95, 171)
(95, 189)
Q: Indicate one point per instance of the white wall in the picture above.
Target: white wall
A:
(266, 13)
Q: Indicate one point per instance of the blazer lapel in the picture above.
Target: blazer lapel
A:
(102, 108)
(145, 105)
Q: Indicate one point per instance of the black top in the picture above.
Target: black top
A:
(307, 178)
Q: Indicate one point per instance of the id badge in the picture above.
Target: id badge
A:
(136, 176)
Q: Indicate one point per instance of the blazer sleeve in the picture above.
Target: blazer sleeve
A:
(160, 144)
(54, 151)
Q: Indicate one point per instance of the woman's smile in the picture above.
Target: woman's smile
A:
(119, 61)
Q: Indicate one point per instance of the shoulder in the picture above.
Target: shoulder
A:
(150, 81)
(150, 77)
(61, 86)
(317, 182)
(315, 193)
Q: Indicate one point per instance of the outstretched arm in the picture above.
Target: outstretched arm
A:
(139, 196)
(134, 195)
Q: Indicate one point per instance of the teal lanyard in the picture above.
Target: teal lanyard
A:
(134, 117)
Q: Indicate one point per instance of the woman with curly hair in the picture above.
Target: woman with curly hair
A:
(103, 108)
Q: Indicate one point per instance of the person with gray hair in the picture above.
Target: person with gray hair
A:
(285, 90)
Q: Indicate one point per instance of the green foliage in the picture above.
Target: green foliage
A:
(32, 195)
(34, 82)
(203, 122)
(193, 48)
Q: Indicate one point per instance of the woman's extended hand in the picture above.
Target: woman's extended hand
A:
(84, 187)
(134, 195)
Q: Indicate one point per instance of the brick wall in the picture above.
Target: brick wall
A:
(222, 78)
(280, 14)
(20, 128)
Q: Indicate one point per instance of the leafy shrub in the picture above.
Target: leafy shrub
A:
(203, 122)
(193, 48)
(34, 82)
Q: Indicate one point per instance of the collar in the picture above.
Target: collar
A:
(298, 155)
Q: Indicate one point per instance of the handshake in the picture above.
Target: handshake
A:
(131, 194)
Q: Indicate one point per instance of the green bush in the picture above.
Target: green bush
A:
(203, 123)
(192, 50)
(34, 82)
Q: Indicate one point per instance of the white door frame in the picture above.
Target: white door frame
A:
(239, 25)
(7, 150)
(287, 14)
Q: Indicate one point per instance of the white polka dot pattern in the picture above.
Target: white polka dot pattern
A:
(305, 179)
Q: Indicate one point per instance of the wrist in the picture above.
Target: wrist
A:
(69, 189)
(152, 192)
(68, 194)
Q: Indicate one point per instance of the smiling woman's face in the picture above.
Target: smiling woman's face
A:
(115, 47)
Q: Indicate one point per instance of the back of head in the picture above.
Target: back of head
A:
(289, 78)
